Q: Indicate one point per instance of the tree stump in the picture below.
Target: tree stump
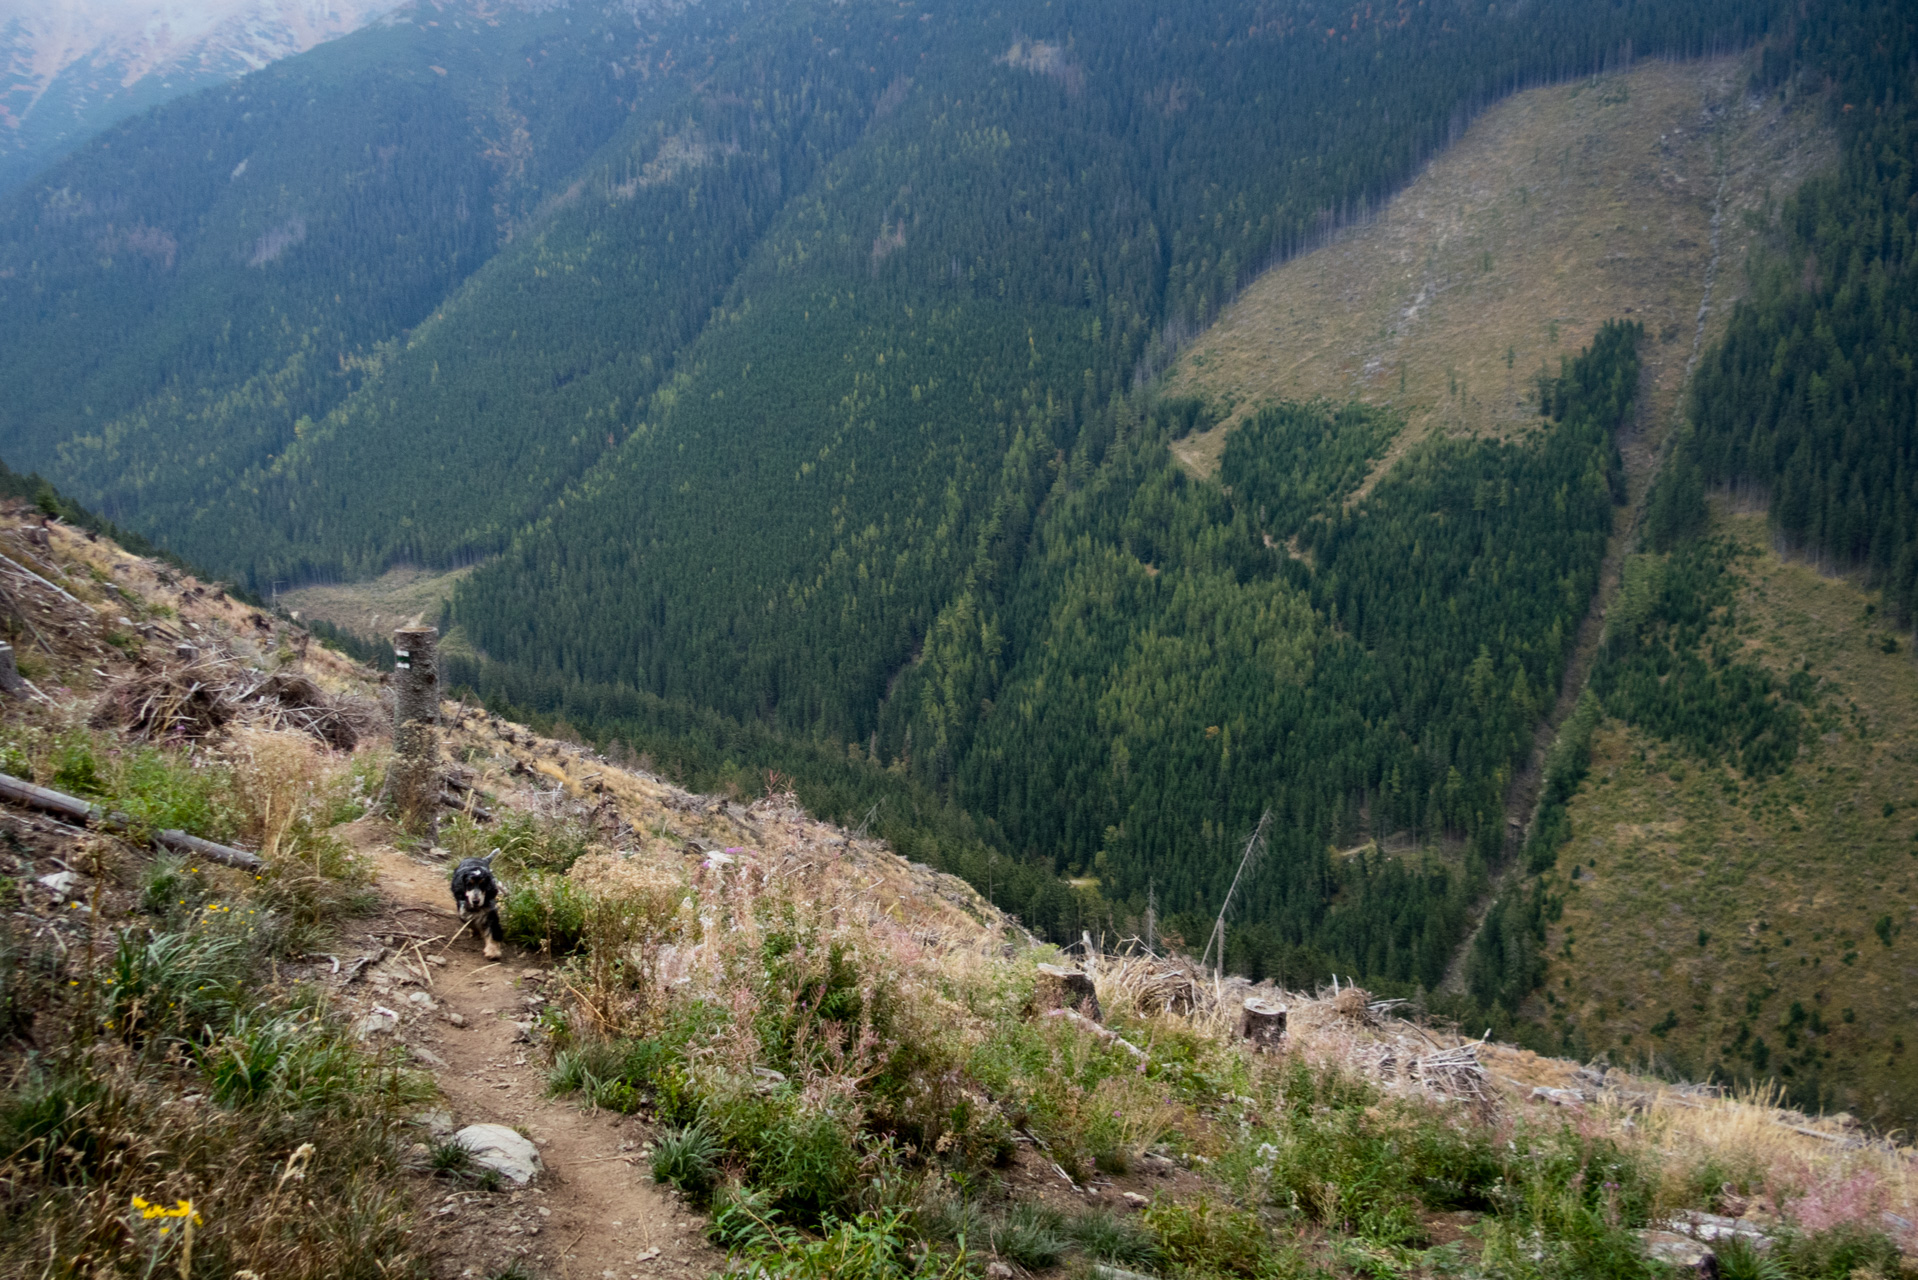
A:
(1262, 1023)
(414, 779)
(1061, 988)
(10, 681)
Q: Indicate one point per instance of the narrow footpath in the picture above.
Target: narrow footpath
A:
(594, 1212)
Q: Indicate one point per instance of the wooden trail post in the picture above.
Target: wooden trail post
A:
(414, 780)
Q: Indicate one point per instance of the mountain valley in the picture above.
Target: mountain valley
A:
(1472, 447)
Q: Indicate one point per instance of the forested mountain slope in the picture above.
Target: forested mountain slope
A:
(181, 294)
(1737, 893)
(179, 314)
(1724, 853)
(789, 373)
(69, 70)
(840, 311)
(1179, 162)
(952, 217)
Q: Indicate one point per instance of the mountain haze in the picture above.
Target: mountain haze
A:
(73, 69)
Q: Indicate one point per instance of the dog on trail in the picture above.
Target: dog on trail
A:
(476, 893)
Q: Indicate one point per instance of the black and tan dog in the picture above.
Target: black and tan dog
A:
(476, 893)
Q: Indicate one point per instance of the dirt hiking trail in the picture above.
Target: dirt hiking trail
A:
(594, 1213)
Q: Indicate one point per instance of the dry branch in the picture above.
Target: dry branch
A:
(206, 693)
(50, 801)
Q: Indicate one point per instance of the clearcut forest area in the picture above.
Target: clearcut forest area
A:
(1478, 441)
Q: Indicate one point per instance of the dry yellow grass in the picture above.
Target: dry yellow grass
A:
(1560, 208)
(1806, 1168)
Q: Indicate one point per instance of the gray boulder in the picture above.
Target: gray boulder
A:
(496, 1147)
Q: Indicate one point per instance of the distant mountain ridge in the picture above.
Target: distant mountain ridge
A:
(71, 69)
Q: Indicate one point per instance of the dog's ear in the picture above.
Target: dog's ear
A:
(487, 861)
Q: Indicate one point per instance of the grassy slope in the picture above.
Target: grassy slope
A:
(1560, 208)
(1785, 878)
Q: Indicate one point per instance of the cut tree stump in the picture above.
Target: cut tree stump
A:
(1262, 1024)
(414, 779)
(10, 681)
(1062, 988)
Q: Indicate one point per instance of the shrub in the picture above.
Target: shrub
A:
(525, 841)
(160, 789)
(595, 1070)
(745, 1219)
(75, 767)
(867, 1247)
(1107, 1237)
(174, 984)
(1840, 1252)
(545, 912)
(293, 1115)
(1077, 1093)
(1569, 1208)
(167, 886)
(290, 1060)
(686, 1157)
(450, 1159)
(1031, 1235)
(628, 913)
(807, 1159)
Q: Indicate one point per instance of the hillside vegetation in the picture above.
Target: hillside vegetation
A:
(1620, 195)
(1732, 782)
(1738, 904)
(779, 1048)
(785, 382)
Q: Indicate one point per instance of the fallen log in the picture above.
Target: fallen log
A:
(1104, 1033)
(225, 855)
(9, 563)
(453, 800)
(92, 815)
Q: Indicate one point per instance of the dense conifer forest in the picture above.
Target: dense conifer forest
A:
(1813, 396)
(790, 369)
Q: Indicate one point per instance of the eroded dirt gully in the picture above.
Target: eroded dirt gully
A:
(595, 1212)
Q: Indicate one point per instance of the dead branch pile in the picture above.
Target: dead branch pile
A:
(1169, 990)
(1453, 1073)
(286, 700)
(199, 698)
(1353, 1004)
(187, 702)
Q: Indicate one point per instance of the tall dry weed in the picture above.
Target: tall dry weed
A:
(285, 783)
(630, 918)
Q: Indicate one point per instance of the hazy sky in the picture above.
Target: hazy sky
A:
(191, 13)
